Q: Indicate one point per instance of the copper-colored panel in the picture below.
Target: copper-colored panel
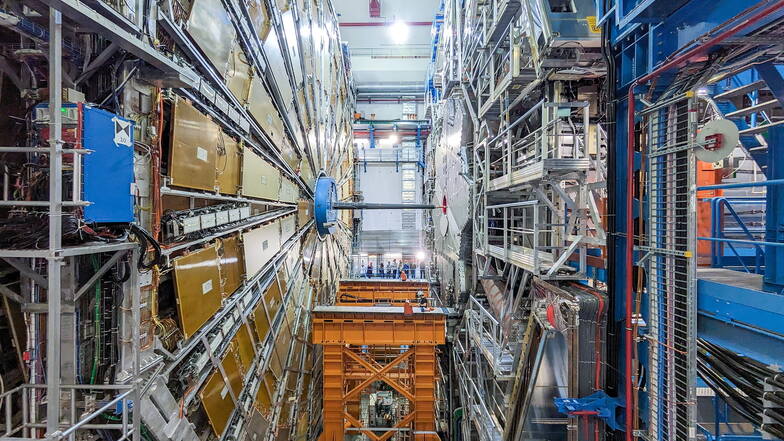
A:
(217, 402)
(197, 279)
(244, 344)
(260, 245)
(260, 179)
(261, 321)
(229, 158)
(232, 266)
(265, 393)
(231, 365)
(211, 28)
(193, 148)
(273, 299)
(238, 73)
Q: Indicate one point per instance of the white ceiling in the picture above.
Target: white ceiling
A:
(375, 57)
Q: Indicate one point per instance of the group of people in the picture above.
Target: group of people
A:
(402, 270)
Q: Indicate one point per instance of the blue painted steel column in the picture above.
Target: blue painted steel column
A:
(772, 75)
(372, 136)
(774, 215)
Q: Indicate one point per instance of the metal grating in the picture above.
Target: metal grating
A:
(670, 128)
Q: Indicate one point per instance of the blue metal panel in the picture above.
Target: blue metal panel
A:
(108, 171)
(774, 213)
(746, 320)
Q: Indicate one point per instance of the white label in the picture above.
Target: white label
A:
(201, 154)
(122, 132)
(263, 180)
(206, 287)
(224, 392)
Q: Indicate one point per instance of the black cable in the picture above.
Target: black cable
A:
(145, 239)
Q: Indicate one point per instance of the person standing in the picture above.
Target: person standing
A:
(381, 270)
(407, 270)
(395, 269)
(369, 272)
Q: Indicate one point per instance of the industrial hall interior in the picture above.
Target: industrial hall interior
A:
(391, 220)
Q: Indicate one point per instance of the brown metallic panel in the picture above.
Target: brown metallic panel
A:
(238, 73)
(265, 393)
(197, 279)
(244, 344)
(193, 148)
(211, 28)
(261, 321)
(260, 179)
(273, 299)
(231, 366)
(232, 266)
(229, 159)
(217, 402)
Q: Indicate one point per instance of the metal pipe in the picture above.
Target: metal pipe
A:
(55, 223)
(372, 206)
(629, 298)
(743, 185)
(359, 24)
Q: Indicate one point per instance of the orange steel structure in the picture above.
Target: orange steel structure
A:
(367, 292)
(366, 344)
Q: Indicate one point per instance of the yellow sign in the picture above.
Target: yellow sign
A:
(592, 24)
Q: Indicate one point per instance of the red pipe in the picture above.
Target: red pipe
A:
(678, 61)
(360, 24)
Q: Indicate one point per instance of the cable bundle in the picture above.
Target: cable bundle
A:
(740, 382)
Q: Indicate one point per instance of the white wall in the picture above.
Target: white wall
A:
(381, 183)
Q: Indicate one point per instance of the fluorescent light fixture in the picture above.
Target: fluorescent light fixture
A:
(393, 139)
(420, 255)
(398, 32)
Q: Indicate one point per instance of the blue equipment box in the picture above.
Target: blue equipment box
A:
(107, 172)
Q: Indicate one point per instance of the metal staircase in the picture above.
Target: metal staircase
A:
(748, 99)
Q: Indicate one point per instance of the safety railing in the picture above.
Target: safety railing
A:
(413, 274)
(487, 333)
(723, 211)
(736, 241)
(80, 407)
(390, 155)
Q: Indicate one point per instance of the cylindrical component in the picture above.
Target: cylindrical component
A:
(371, 206)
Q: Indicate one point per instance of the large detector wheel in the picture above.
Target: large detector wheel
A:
(716, 140)
(326, 195)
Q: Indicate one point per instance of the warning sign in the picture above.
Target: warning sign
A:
(122, 132)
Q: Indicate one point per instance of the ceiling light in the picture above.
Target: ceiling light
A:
(398, 32)
(393, 139)
(420, 256)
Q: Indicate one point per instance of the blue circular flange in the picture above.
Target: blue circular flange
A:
(326, 195)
